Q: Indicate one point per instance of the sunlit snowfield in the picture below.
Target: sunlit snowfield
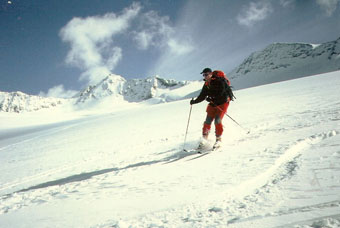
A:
(127, 168)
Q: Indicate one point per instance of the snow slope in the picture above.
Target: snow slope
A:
(127, 168)
(284, 61)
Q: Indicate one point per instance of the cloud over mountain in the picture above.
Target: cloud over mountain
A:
(91, 41)
(94, 40)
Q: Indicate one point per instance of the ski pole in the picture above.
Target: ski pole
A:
(186, 132)
(248, 131)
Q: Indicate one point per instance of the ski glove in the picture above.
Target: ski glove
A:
(192, 102)
(209, 99)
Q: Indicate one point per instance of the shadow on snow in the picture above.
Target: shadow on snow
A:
(85, 176)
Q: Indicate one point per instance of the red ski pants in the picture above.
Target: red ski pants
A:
(215, 113)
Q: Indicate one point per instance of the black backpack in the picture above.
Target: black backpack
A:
(228, 89)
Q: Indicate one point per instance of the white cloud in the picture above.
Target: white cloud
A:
(153, 30)
(143, 39)
(156, 31)
(114, 58)
(179, 48)
(329, 6)
(91, 41)
(254, 12)
(58, 91)
(287, 3)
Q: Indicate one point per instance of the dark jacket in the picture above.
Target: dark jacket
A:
(216, 91)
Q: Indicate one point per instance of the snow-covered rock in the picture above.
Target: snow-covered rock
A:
(284, 61)
(134, 90)
(21, 102)
(110, 86)
(112, 90)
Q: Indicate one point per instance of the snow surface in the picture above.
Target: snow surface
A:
(126, 168)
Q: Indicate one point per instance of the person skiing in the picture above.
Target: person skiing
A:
(217, 92)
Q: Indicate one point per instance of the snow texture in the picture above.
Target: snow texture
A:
(125, 166)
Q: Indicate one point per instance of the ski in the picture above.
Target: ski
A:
(203, 150)
(208, 150)
(193, 154)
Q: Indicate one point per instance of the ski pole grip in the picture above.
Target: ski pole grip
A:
(191, 102)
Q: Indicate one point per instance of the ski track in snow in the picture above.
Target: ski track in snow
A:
(283, 168)
(253, 180)
(240, 204)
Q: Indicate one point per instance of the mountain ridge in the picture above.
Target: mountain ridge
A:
(285, 61)
(19, 102)
(133, 90)
(111, 88)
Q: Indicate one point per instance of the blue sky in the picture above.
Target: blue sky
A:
(55, 47)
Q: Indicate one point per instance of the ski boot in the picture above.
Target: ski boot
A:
(204, 142)
(218, 143)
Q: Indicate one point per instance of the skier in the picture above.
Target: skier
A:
(215, 91)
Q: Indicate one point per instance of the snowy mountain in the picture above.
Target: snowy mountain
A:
(284, 61)
(134, 90)
(20, 102)
(113, 88)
